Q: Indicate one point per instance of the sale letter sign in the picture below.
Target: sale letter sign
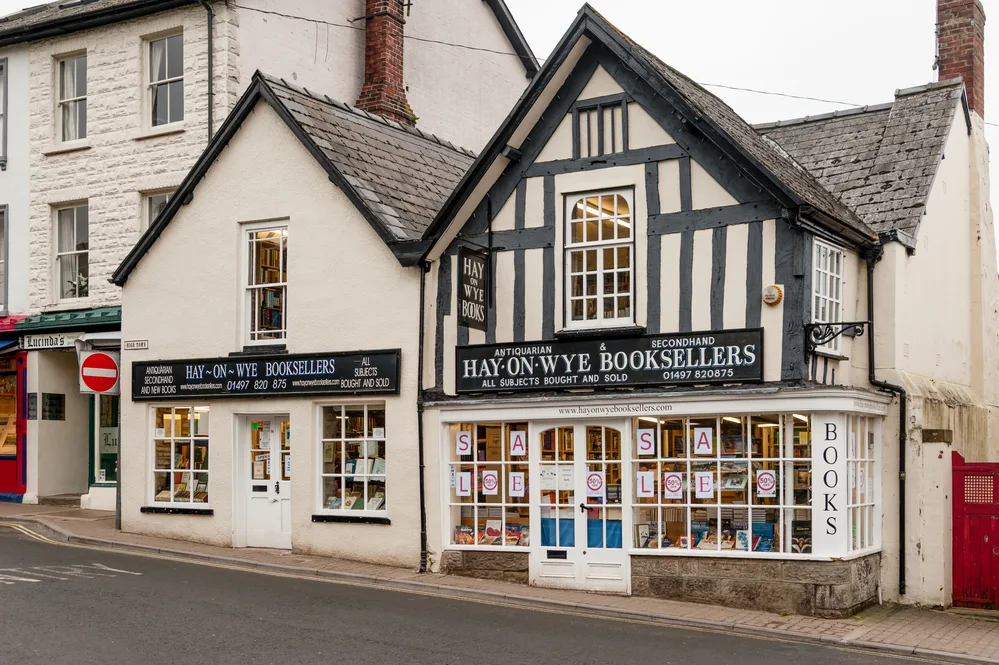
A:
(518, 444)
(646, 484)
(463, 443)
(517, 483)
(702, 441)
(464, 487)
(704, 482)
(490, 482)
(672, 485)
(646, 442)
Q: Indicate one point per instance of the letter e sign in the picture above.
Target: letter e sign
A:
(646, 442)
(703, 437)
(462, 443)
(705, 484)
(518, 443)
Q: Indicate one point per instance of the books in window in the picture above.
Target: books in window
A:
(354, 501)
(512, 534)
(464, 535)
(333, 503)
(165, 495)
(378, 468)
(492, 534)
(377, 501)
(201, 497)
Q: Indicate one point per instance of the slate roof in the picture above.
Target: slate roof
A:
(880, 160)
(771, 156)
(403, 175)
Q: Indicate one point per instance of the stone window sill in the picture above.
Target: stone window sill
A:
(154, 132)
(69, 305)
(64, 148)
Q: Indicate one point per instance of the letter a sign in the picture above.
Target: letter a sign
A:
(702, 441)
(518, 444)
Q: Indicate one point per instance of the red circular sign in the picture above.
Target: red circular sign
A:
(595, 481)
(489, 481)
(99, 372)
(766, 481)
(673, 483)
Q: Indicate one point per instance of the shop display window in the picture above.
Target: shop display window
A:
(180, 443)
(267, 286)
(489, 495)
(8, 414)
(860, 463)
(723, 484)
(353, 450)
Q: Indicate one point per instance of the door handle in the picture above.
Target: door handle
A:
(582, 507)
(277, 487)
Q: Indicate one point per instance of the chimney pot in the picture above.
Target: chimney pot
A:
(384, 92)
(961, 47)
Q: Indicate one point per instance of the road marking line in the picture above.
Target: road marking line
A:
(531, 608)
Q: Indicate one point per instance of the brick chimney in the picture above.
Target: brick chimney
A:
(961, 47)
(384, 92)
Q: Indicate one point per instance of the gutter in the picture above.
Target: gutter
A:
(211, 67)
(872, 257)
(424, 268)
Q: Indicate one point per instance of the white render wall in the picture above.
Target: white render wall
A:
(458, 94)
(347, 292)
(14, 180)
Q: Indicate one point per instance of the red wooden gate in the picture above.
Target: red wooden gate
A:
(976, 534)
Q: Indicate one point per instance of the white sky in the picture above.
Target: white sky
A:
(854, 51)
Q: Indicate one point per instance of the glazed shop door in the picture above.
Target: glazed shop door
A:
(580, 494)
(268, 510)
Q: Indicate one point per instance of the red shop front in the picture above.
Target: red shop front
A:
(13, 416)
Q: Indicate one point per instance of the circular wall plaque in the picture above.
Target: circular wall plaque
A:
(772, 295)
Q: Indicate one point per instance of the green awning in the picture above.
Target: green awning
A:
(102, 318)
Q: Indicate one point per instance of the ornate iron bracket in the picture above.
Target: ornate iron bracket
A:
(819, 334)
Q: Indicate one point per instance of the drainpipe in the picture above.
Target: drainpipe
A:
(211, 68)
(872, 257)
(424, 267)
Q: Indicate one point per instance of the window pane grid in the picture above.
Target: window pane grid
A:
(353, 449)
(599, 259)
(267, 287)
(72, 252)
(827, 288)
(180, 442)
(73, 98)
(489, 495)
(752, 473)
(166, 80)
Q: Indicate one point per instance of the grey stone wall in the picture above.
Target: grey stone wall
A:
(831, 589)
(506, 566)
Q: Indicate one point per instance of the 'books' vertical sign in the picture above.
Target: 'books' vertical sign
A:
(473, 282)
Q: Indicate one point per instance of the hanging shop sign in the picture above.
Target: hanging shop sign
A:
(725, 356)
(352, 373)
(473, 280)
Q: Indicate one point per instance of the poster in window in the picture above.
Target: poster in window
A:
(463, 443)
(518, 443)
(672, 485)
(645, 484)
(463, 485)
(473, 280)
(766, 483)
(646, 442)
(517, 483)
(704, 485)
(490, 482)
(702, 440)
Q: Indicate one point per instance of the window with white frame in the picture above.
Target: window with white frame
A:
(489, 497)
(180, 453)
(73, 252)
(827, 288)
(165, 87)
(860, 458)
(267, 284)
(3, 113)
(599, 259)
(353, 452)
(72, 112)
(723, 484)
(153, 205)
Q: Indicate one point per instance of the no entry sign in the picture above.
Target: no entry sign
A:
(99, 372)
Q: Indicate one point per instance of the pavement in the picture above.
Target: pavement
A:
(886, 631)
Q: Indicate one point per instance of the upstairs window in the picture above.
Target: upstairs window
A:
(827, 287)
(267, 286)
(73, 98)
(599, 259)
(73, 252)
(600, 127)
(166, 80)
(153, 205)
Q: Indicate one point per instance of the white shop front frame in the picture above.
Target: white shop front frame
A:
(830, 411)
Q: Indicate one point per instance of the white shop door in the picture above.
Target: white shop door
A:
(268, 513)
(580, 475)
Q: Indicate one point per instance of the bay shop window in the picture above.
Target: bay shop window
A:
(742, 485)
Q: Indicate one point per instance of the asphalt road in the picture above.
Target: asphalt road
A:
(74, 606)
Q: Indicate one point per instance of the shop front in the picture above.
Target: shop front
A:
(736, 494)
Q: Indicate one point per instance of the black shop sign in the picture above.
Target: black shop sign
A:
(725, 356)
(352, 373)
(473, 280)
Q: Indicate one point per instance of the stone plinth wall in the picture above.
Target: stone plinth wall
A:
(506, 566)
(832, 589)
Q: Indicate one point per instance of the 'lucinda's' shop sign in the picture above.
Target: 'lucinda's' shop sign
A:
(727, 356)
